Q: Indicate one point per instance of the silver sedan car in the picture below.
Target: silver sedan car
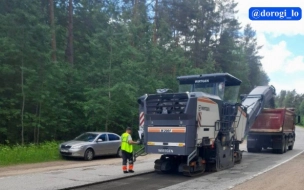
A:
(91, 144)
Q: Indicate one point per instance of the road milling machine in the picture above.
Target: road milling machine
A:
(200, 127)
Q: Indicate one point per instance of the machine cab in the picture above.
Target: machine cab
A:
(223, 85)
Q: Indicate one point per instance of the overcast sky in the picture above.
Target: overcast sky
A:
(283, 42)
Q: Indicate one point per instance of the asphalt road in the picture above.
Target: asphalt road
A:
(253, 164)
(147, 182)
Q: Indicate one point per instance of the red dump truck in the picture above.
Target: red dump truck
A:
(273, 128)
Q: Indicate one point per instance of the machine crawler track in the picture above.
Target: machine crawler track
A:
(188, 171)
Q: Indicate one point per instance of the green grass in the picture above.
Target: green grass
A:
(48, 151)
(17, 154)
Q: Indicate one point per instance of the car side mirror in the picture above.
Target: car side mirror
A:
(99, 140)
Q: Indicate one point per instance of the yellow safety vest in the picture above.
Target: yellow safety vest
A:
(125, 144)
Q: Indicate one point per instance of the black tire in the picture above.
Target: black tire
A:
(286, 144)
(119, 154)
(290, 147)
(89, 154)
(240, 159)
(282, 150)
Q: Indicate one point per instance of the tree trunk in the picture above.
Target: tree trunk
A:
(36, 126)
(155, 22)
(135, 10)
(53, 43)
(109, 101)
(39, 118)
(134, 21)
(69, 50)
(23, 102)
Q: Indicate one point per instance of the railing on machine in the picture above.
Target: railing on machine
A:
(167, 103)
(228, 117)
(140, 152)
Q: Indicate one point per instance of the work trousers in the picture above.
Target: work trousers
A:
(126, 156)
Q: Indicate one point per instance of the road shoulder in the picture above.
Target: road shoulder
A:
(289, 175)
(61, 165)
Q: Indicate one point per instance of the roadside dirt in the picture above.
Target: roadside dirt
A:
(64, 164)
(288, 176)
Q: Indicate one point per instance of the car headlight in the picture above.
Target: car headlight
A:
(76, 147)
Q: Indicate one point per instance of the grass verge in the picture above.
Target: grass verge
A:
(17, 154)
(44, 152)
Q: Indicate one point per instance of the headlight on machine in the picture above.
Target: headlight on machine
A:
(151, 143)
(181, 144)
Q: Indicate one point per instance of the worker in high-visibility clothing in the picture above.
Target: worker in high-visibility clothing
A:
(127, 150)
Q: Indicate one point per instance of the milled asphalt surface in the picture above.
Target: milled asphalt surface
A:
(147, 182)
(252, 164)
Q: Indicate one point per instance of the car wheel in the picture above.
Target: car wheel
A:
(119, 154)
(89, 154)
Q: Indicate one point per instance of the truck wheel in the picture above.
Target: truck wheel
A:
(282, 150)
(286, 144)
(291, 146)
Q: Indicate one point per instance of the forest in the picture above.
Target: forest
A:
(291, 99)
(70, 66)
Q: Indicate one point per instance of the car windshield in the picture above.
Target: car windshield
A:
(87, 137)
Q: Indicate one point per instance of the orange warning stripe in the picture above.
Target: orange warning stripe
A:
(206, 100)
(242, 112)
(166, 129)
(199, 118)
